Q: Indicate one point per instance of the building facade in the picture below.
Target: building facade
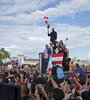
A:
(28, 60)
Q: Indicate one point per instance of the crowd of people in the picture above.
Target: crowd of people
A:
(34, 85)
(52, 85)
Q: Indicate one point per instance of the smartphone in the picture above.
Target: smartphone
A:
(33, 87)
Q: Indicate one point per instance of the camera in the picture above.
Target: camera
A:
(33, 87)
(47, 73)
(72, 84)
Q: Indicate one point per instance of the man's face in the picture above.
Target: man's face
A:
(46, 46)
(73, 67)
(52, 29)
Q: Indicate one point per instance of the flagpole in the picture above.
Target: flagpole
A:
(66, 40)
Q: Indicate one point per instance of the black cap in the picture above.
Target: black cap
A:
(53, 62)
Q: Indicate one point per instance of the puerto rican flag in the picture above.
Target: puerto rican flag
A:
(15, 64)
(58, 58)
(46, 21)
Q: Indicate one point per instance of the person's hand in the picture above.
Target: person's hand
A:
(42, 89)
(64, 86)
(66, 96)
(73, 91)
(77, 74)
(36, 93)
(44, 92)
(31, 95)
(75, 78)
(35, 96)
(49, 74)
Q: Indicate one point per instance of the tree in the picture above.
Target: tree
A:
(4, 55)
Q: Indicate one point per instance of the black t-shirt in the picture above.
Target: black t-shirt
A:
(56, 50)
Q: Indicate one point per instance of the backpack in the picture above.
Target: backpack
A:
(59, 73)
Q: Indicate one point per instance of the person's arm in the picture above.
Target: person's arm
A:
(49, 34)
(36, 95)
(87, 80)
(67, 51)
(53, 82)
(64, 87)
(59, 47)
(44, 93)
(44, 54)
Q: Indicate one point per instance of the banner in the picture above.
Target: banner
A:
(58, 58)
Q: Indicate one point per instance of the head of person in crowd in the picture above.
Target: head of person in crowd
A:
(52, 29)
(69, 60)
(51, 44)
(57, 94)
(83, 68)
(73, 67)
(85, 95)
(61, 43)
(46, 46)
(77, 65)
(49, 87)
(57, 43)
(53, 63)
(64, 47)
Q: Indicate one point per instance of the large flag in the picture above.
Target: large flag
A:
(15, 64)
(58, 58)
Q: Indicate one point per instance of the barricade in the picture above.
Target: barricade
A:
(9, 92)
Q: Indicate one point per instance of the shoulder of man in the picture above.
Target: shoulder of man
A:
(58, 66)
(55, 31)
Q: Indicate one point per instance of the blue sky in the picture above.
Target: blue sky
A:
(23, 30)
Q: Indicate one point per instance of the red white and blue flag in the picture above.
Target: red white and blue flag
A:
(15, 64)
(46, 21)
(58, 58)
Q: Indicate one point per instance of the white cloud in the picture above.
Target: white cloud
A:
(35, 15)
(19, 6)
(68, 8)
(89, 55)
(31, 40)
(21, 32)
(77, 36)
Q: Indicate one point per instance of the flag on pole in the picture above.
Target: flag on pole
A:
(15, 64)
(46, 21)
(58, 58)
(45, 17)
(48, 26)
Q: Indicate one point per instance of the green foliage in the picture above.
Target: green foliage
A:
(4, 55)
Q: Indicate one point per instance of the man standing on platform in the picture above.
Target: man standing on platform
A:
(53, 36)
